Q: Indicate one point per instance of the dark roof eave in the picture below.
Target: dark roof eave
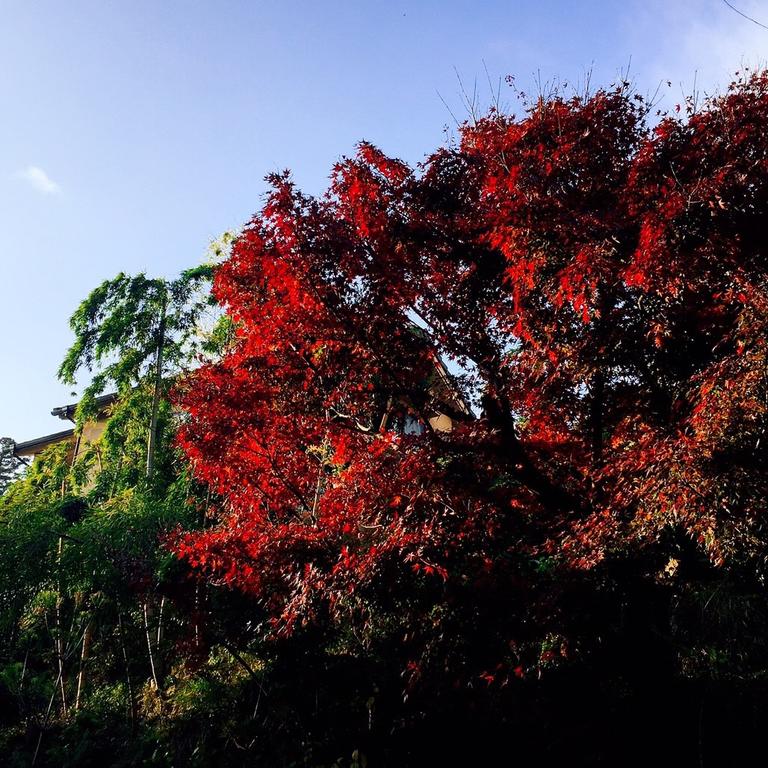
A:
(67, 412)
(30, 447)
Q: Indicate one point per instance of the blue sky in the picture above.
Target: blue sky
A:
(135, 132)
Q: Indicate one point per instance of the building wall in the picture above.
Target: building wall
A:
(92, 431)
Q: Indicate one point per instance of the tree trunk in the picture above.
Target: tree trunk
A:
(132, 706)
(59, 643)
(152, 439)
(158, 653)
(152, 667)
(598, 383)
(596, 415)
(87, 633)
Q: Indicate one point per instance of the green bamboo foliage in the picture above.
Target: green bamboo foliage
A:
(135, 332)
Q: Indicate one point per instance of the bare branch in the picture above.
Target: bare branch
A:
(744, 15)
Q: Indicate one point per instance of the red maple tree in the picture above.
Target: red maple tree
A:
(596, 285)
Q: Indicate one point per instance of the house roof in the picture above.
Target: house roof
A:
(67, 412)
(448, 393)
(32, 447)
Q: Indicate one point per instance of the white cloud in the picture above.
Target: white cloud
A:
(39, 180)
(696, 40)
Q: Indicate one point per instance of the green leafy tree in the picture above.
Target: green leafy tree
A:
(136, 332)
(101, 629)
(9, 463)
